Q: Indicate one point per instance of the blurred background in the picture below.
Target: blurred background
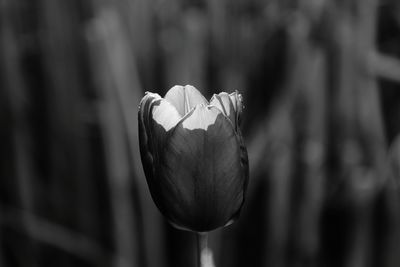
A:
(321, 86)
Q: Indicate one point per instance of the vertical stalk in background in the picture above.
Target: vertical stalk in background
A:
(113, 76)
(306, 79)
(16, 174)
(68, 95)
(129, 55)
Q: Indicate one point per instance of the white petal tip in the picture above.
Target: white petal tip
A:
(202, 117)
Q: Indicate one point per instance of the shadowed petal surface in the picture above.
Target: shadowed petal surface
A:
(146, 140)
(202, 178)
(159, 117)
(184, 98)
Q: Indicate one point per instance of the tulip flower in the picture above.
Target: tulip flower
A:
(194, 157)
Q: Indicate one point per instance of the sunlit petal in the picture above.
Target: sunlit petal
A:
(165, 114)
(202, 118)
(223, 101)
(237, 102)
(184, 98)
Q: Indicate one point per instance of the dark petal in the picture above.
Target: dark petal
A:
(223, 101)
(184, 98)
(156, 118)
(201, 173)
(244, 159)
(232, 106)
(145, 136)
(237, 102)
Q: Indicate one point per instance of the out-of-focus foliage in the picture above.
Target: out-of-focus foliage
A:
(320, 81)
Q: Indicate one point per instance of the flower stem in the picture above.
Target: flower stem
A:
(204, 255)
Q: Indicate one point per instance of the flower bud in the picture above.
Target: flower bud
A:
(194, 157)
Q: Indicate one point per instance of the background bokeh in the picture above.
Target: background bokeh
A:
(320, 81)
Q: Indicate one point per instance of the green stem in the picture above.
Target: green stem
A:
(204, 256)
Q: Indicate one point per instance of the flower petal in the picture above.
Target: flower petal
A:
(237, 102)
(224, 103)
(184, 98)
(200, 171)
(164, 117)
(244, 159)
(146, 141)
(165, 114)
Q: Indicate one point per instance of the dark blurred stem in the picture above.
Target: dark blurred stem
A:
(202, 249)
